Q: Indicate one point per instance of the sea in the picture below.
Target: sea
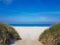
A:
(31, 24)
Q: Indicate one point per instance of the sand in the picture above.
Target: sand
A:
(30, 32)
(29, 35)
(28, 42)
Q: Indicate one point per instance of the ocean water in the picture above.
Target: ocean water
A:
(31, 24)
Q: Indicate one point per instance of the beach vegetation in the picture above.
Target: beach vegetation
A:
(51, 36)
(8, 34)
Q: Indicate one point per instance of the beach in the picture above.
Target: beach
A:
(30, 32)
(28, 42)
(29, 35)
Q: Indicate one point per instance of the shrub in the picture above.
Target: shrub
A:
(51, 36)
(7, 34)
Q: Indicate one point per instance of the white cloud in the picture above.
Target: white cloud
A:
(41, 14)
(31, 18)
(48, 19)
(7, 1)
(43, 18)
(24, 19)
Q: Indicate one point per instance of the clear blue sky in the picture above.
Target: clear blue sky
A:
(29, 11)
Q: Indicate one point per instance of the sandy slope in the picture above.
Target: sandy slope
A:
(28, 42)
(30, 32)
(29, 35)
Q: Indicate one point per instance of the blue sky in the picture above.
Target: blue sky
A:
(29, 11)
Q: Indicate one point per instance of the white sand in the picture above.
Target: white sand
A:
(29, 35)
(28, 42)
(30, 32)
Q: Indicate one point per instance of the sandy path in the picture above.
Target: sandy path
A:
(28, 42)
(30, 32)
